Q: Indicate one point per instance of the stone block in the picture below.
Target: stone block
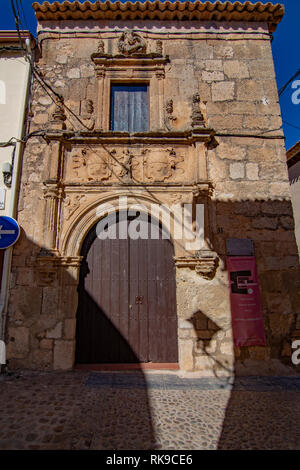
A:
(63, 355)
(252, 171)
(214, 65)
(186, 358)
(18, 345)
(55, 332)
(70, 328)
(256, 122)
(226, 347)
(230, 151)
(87, 70)
(42, 359)
(287, 222)
(249, 90)
(41, 118)
(212, 76)
(280, 190)
(46, 343)
(217, 169)
(62, 59)
(204, 364)
(73, 73)
(237, 171)
(268, 223)
(223, 91)
(50, 301)
(222, 51)
(236, 69)
(225, 122)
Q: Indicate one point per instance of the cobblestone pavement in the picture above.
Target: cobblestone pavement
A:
(135, 410)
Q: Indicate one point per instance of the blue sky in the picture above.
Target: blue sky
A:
(286, 52)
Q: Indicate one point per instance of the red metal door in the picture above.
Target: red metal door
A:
(127, 301)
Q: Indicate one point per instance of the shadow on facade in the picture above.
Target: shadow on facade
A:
(123, 411)
(255, 413)
(250, 419)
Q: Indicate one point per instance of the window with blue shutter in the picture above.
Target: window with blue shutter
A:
(129, 108)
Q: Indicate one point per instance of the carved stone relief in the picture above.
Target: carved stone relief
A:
(160, 165)
(86, 114)
(125, 165)
(90, 165)
(131, 43)
(72, 204)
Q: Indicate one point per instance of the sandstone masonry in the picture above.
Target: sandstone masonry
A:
(233, 162)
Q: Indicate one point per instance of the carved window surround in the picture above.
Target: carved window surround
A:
(136, 68)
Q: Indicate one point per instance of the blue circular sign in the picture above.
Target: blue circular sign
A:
(9, 231)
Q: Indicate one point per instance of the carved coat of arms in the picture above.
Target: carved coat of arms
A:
(131, 43)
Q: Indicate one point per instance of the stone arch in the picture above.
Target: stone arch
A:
(89, 216)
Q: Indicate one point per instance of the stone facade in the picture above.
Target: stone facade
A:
(215, 138)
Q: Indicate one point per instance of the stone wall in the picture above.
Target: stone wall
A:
(232, 71)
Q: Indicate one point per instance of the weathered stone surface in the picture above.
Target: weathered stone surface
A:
(55, 332)
(252, 171)
(186, 359)
(63, 355)
(234, 76)
(212, 76)
(249, 90)
(223, 91)
(231, 151)
(73, 73)
(237, 170)
(236, 69)
(69, 328)
(18, 345)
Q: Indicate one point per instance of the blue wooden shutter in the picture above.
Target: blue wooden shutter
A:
(129, 108)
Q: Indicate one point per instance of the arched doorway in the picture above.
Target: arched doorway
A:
(127, 298)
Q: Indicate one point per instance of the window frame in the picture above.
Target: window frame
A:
(129, 83)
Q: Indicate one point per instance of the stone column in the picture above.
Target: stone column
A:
(52, 195)
(160, 75)
(100, 72)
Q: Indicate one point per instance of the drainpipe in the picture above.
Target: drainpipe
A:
(12, 211)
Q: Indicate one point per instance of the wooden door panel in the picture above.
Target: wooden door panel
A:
(127, 302)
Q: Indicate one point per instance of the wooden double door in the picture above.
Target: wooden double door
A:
(127, 299)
